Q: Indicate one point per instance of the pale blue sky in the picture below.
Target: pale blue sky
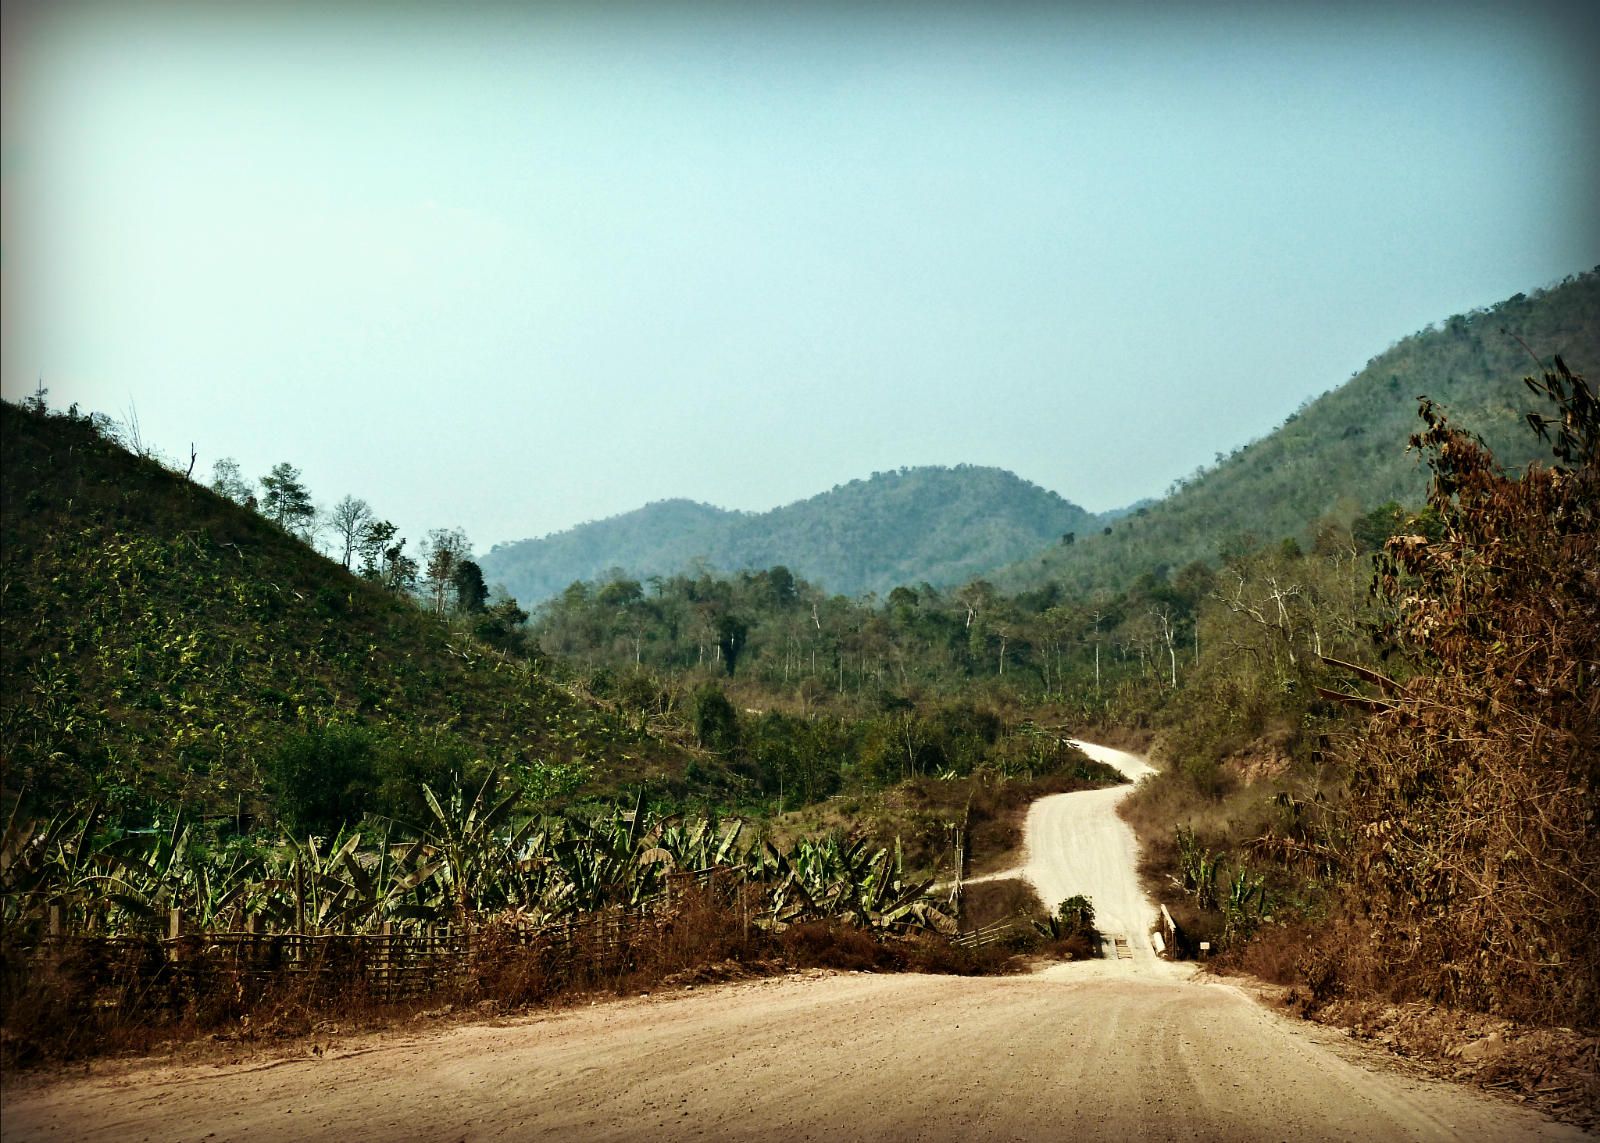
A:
(512, 268)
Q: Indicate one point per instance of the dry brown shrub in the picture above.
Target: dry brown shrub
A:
(1471, 844)
(1075, 947)
(937, 955)
(985, 902)
(1277, 954)
(840, 945)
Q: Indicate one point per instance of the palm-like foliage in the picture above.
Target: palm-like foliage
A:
(469, 861)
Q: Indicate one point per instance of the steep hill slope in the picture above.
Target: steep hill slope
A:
(937, 524)
(159, 641)
(1345, 451)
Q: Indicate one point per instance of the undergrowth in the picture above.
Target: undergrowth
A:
(49, 1017)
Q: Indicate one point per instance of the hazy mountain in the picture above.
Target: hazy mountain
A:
(1114, 514)
(1346, 451)
(937, 524)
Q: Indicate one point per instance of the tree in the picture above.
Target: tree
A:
(619, 593)
(731, 632)
(323, 777)
(349, 519)
(441, 556)
(500, 621)
(226, 481)
(399, 569)
(784, 591)
(383, 561)
(471, 592)
(975, 598)
(284, 500)
(716, 724)
(375, 537)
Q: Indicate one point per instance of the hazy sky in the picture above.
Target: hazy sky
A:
(512, 268)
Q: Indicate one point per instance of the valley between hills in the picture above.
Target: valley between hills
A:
(703, 807)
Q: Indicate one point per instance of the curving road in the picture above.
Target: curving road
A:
(1076, 843)
(1104, 1050)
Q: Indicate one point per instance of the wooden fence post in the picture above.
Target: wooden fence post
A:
(958, 892)
(1169, 930)
(55, 920)
(175, 924)
(385, 957)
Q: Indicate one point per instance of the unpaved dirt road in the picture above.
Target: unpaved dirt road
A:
(1106, 1050)
(1077, 844)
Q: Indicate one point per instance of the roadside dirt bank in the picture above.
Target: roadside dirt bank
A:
(1086, 1051)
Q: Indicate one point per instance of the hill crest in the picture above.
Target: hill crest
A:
(1345, 451)
(935, 523)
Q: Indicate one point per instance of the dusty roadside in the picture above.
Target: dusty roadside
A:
(1100, 1050)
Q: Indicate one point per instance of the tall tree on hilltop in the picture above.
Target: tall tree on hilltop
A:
(443, 553)
(226, 481)
(349, 519)
(284, 500)
(472, 594)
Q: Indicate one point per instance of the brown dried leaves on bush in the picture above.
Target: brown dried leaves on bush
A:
(1471, 831)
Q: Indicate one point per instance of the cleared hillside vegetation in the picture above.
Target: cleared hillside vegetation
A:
(161, 643)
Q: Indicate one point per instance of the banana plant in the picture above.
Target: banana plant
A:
(221, 888)
(51, 863)
(1199, 869)
(148, 873)
(1245, 906)
(463, 833)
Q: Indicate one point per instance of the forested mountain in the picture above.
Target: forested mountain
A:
(1345, 453)
(162, 644)
(935, 524)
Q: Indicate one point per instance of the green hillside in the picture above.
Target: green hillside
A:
(942, 525)
(658, 538)
(161, 643)
(1345, 452)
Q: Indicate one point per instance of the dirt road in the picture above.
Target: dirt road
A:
(1077, 844)
(1105, 1050)
(1077, 1052)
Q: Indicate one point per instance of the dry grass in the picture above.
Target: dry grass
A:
(1332, 974)
(833, 944)
(986, 902)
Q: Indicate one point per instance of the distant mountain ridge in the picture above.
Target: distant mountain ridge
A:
(1346, 451)
(1342, 453)
(934, 523)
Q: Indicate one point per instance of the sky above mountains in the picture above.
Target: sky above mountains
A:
(514, 267)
